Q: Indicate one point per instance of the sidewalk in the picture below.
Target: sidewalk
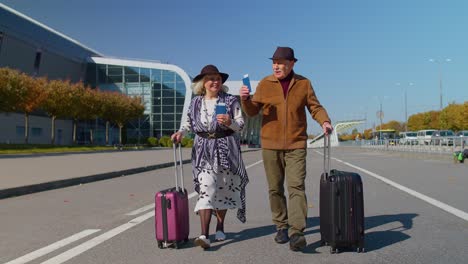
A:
(20, 175)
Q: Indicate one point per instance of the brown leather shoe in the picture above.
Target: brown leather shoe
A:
(282, 236)
(297, 242)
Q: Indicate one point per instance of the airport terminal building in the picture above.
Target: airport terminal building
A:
(37, 50)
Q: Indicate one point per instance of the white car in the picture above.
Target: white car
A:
(461, 136)
(408, 138)
(424, 136)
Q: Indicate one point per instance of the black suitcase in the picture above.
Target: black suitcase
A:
(341, 207)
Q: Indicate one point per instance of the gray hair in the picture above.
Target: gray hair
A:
(199, 89)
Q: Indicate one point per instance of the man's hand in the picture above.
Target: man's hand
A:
(244, 93)
(327, 128)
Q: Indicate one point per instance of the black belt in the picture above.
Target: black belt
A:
(217, 134)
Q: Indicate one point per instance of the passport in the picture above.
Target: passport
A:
(246, 82)
(221, 109)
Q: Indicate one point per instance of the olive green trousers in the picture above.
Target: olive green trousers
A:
(289, 165)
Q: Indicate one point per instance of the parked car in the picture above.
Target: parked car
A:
(442, 137)
(408, 138)
(424, 136)
(461, 136)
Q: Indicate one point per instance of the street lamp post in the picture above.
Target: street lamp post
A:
(380, 116)
(406, 104)
(440, 76)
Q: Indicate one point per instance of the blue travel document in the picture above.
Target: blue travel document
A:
(221, 109)
(246, 81)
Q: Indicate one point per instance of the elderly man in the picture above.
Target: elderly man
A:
(282, 99)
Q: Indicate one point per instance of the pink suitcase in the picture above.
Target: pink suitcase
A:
(171, 210)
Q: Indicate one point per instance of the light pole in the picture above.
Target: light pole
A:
(406, 104)
(440, 76)
(380, 115)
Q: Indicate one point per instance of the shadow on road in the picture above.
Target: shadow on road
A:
(380, 239)
(373, 240)
(269, 230)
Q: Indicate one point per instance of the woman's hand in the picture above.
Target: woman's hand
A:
(176, 137)
(224, 119)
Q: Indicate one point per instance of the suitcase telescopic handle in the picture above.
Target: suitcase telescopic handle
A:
(326, 155)
(178, 168)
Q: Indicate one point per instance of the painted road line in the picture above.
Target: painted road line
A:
(67, 255)
(141, 210)
(151, 206)
(52, 247)
(253, 164)
(434, 202)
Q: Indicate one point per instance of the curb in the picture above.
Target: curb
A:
(46, 186)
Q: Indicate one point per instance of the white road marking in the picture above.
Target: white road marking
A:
(151, 206)
(67, 255)
(434, 202)
(141, 210)
(253, 164)
(52, 247)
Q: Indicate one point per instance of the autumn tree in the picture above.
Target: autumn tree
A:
(35, 94)
(120, 109)
(12, 89)
(107, 109)
(452, 117)
(57, 103)
(91, 108)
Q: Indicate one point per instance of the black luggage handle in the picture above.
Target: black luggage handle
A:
(326, 155)
(178, 168)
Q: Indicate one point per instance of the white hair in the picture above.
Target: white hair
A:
(199, 88)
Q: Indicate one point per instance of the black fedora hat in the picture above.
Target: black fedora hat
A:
(210, 69)
(284, 53)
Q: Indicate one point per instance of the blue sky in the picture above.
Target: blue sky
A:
(354, 52)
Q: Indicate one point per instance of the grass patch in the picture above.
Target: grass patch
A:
(43, 148)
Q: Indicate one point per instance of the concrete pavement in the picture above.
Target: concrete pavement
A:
(24, 174)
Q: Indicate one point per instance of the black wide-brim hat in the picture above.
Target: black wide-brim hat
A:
(284, 53)
(210, 69)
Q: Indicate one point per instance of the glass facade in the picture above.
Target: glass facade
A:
(163, 93)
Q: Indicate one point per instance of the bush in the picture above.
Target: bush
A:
(165, 141)
(187, 142)
(152, 141)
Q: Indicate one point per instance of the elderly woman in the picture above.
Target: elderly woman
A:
(219, 173)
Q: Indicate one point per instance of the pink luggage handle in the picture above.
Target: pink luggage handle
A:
(178, 169)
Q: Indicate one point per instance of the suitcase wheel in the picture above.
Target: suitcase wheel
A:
(360, 250)
(176, 245)
(333, 250)
(160, 244)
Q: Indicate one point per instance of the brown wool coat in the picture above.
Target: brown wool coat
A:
(284, 124)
